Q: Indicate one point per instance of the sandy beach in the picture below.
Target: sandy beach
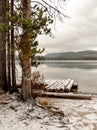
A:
(71, 114)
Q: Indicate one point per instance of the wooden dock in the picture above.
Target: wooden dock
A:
(61, 86)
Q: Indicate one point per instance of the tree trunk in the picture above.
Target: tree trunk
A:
(8, 54)
(3, 79)
(13, 52)
(9, 64)
(26, 78)
(26, 57)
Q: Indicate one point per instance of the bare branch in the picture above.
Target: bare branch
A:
(54, 8)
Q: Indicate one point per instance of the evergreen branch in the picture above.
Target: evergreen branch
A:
(42, 6)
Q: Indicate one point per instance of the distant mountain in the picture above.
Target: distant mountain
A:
(81, 55)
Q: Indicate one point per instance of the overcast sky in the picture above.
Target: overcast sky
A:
(77, 33)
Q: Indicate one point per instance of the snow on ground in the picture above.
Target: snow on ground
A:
(78, 114)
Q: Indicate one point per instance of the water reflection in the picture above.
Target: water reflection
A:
(81, 65)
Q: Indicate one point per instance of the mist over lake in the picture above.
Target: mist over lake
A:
(83, 72)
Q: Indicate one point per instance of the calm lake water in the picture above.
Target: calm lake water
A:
(83, 72)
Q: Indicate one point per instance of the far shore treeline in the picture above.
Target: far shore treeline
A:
(81, 55)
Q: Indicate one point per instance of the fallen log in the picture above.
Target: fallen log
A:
(49, 84)
(74, 88)
(60, 87)
(69, 86)
(67, 95)
(53, 87)
(4, 103)
(66, 82)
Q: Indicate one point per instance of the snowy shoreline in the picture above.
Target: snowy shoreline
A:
(78, 114)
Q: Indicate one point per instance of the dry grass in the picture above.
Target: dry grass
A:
(37, 81)
(44, 101)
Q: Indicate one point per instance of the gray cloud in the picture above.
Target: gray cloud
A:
(77, 33)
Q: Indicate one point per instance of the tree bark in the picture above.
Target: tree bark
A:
(26, 57)
(14, 88)
(66, 95)
(3, 79)
(8, 52)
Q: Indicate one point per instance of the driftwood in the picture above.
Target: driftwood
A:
(69, 86)
(3, 103)
(53, 88)
(58, 85)
(49, 84)
(74, 88)
(13, 108)
(62, 85)
(67, 95)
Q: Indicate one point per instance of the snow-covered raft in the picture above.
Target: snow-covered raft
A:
(61, 86)
(62, 89)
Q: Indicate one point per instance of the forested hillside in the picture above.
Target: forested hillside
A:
(81, 55)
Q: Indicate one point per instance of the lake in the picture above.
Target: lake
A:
(83, 72)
